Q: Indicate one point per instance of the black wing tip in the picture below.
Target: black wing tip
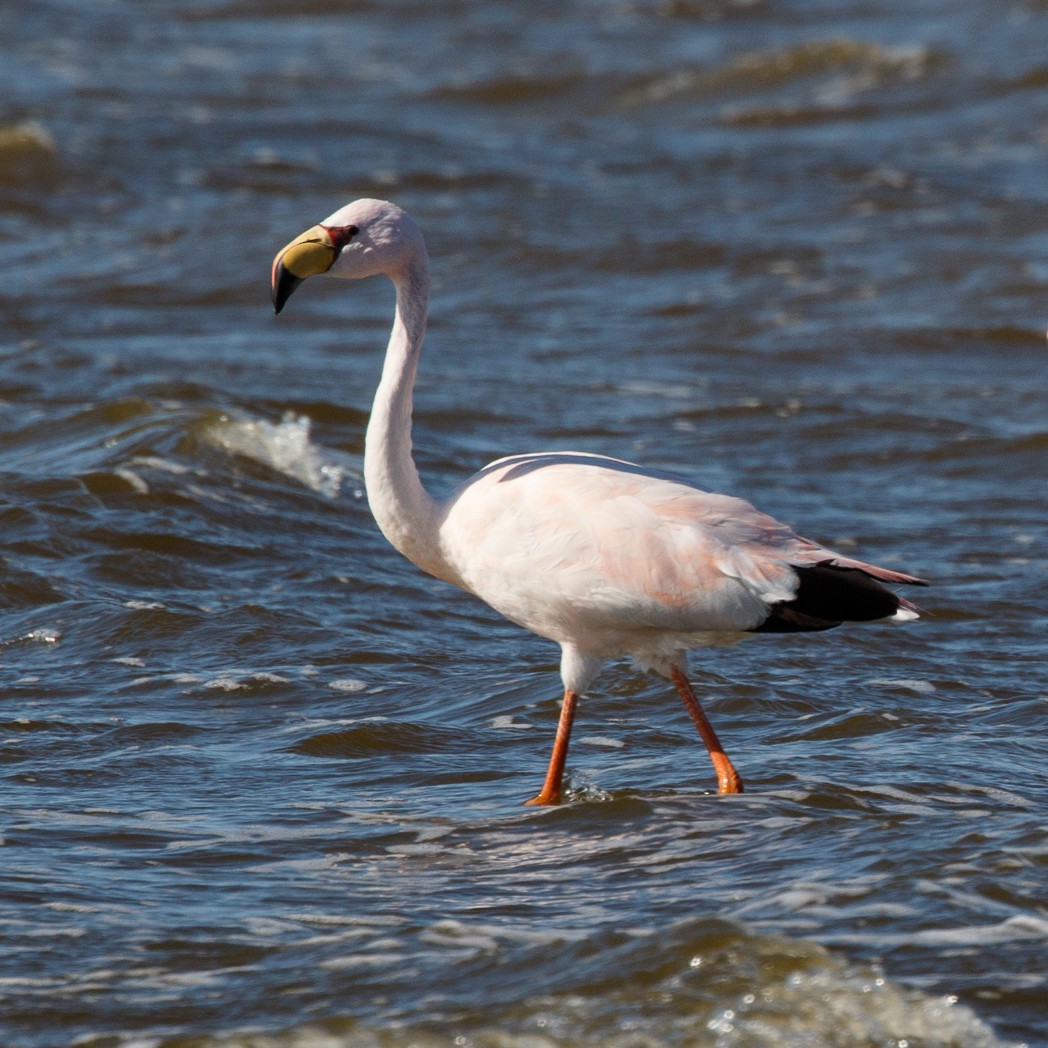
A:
(828, 596)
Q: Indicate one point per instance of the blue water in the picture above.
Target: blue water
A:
(261, 779)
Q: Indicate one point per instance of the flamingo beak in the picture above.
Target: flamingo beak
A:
(307, 255)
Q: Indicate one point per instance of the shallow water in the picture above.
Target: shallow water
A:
(262, 779)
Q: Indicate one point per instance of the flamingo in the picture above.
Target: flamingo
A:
(604, 557)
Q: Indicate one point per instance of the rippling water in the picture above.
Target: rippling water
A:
(262, 779)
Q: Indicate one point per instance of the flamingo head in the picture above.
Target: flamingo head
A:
(362, 239)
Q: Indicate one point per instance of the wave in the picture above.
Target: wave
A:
(285, 446)
(724, 986)
(854, 66)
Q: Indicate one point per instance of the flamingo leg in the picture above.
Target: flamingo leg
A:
(551, 788)
(728, 780)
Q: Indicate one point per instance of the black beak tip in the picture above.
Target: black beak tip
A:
(284, 283)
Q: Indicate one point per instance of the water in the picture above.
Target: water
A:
(262, 779)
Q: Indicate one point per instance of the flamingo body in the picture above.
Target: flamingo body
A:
(600, 555)
(611, 559)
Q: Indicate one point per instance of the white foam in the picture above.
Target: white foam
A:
(921, 687)
(243, 682)
(510, 722)
(43, 635)
(347, 684)
(284, 446)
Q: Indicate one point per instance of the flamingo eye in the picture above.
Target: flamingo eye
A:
(341, 235)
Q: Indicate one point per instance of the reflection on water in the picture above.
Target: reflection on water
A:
(262, 779)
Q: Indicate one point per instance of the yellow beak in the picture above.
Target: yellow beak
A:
(307, 255)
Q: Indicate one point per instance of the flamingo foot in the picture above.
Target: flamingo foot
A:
(544, 799)
(728, 779)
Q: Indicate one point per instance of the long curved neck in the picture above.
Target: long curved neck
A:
(405, 512)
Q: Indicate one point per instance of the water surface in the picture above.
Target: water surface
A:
(262, 780)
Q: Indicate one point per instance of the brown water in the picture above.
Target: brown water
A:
(261, 780)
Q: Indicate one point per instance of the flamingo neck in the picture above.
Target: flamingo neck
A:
(405, 512)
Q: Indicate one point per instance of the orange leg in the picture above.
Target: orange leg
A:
(728, 780)
(550, 792)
